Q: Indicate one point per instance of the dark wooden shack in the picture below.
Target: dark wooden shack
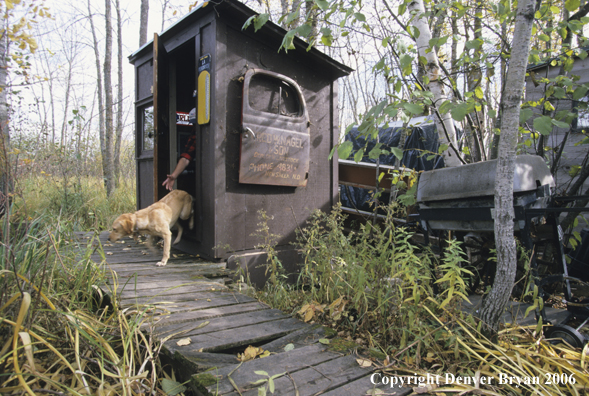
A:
(267, 121)
(574, 152)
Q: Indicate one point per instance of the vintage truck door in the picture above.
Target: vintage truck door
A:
(275, 136)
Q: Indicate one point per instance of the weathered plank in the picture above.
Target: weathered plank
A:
(363, 386)
(139, 277)
(130, 245)
(174, 274)
(148, 270)
(128, 251)
(158, 277)
(116, 251)
(236, 321)
(170, 318)
(183, 302)
(315, 380)
(243, 374)
(140, 258)
(217, 276)
(189, 362)
(305, 336)
(168, 283)
(129, 292)
(246, 335)
(125, 246)
(165, 288)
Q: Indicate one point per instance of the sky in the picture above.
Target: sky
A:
(66, 53)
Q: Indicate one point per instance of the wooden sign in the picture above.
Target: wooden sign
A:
(274, 157)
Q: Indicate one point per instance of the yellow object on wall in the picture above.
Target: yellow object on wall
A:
(204, 90)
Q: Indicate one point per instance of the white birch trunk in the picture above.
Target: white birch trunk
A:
(445, 125)
(119, 123)
(109, 132)
(99, 91)
(494, 303)
(4, 82)
(144, 15)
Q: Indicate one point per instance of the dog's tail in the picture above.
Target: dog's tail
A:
(191, 221)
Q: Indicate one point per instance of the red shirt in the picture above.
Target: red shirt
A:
(189, 148)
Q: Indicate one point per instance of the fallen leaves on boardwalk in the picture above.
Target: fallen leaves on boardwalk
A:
(183, 342)
(251, 353)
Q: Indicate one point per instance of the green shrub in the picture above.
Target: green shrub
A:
(373, 281)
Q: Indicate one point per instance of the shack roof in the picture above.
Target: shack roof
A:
(547, 62)
(270, 33)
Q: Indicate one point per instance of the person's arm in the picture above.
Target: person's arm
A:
(182, 164)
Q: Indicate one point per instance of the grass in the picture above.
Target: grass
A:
(58, 335)
(80, 202)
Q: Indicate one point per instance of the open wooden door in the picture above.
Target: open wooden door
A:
(161, 117)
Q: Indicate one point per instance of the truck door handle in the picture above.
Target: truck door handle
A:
(247, 131)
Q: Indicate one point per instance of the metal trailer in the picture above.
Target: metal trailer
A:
(461, 200)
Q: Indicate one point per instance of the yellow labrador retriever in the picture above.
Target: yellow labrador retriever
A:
(157, 220)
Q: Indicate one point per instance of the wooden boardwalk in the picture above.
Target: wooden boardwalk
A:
(209, 322)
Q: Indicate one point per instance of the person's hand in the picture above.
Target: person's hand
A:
(169, 182)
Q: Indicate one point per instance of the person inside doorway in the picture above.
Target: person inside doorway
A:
(186, 157)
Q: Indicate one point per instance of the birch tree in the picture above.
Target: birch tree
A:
(15, 30)
(119, 120)
(444, 122)
(143, 19)
(495, 301)
(4, 79)
(99, 85)
(108, 153)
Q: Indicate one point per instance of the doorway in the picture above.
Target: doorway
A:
(182, 89)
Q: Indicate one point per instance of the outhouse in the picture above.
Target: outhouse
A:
(266, 123)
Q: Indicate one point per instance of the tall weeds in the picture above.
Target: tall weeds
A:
(377, 273)
(83, 206)
(63, 184)
(57, 334)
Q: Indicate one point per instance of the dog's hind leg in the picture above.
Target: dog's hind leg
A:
(180, 230)
(188, 211)
(167, 235)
